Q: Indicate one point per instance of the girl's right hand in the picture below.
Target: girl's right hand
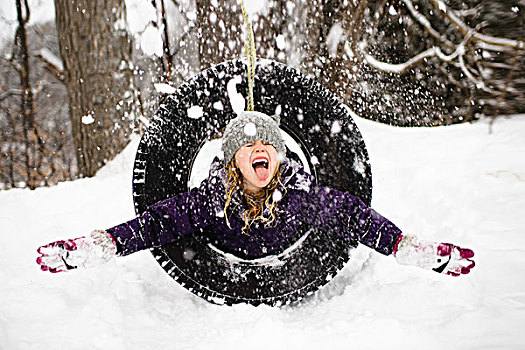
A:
(82, 252)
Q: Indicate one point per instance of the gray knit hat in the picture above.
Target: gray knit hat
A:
(249, 127)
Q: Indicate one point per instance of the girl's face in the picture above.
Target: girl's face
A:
(258, 162)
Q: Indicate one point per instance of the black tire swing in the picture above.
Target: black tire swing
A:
(326, 134)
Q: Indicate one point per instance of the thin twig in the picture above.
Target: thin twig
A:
(11, 92)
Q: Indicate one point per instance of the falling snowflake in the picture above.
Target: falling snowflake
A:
(277, 196)
(218, 106)
(164, 88)
(88, 119)
(336, 127)
(195, 112)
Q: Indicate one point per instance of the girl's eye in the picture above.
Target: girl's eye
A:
(248, 145)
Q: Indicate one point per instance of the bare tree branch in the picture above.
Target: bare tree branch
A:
(401, 68)
(461, 51)
(480, 84)
(28, 12)
(496, 48)
(469, 12)
(426, 23)
(11, 92)
(463, 28)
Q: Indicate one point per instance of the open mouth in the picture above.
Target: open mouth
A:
(260, 163)
(260, 166)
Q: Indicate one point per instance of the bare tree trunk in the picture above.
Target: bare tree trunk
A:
(333, 30)
(7, 148)
(166, 60)
(30, 132)
(96, 52)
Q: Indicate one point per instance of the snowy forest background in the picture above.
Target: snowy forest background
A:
(78, 78)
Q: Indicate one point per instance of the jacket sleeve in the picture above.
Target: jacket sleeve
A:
(340, 212)
(164, 222)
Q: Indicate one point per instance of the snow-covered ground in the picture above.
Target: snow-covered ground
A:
(458, 184)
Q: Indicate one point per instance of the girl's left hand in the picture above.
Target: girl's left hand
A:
(444, 258)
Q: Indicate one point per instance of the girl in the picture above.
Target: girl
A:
(255, 201)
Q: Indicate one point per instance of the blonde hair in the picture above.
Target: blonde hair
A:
(257, 202)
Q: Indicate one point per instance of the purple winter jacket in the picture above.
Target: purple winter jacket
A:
(302, 202)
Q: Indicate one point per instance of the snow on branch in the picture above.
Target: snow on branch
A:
(401, 68)
(50, 58)
(53, 63)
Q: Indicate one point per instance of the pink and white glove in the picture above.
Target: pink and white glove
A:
(441, 257)
(84, 252)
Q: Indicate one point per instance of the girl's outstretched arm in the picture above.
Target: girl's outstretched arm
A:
(162, 223)
(341, 212)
